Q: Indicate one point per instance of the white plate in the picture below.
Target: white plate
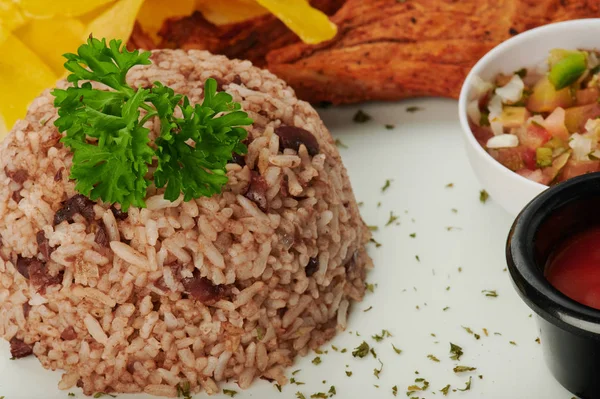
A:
(422, 154)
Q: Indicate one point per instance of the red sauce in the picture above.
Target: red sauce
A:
(574, 269)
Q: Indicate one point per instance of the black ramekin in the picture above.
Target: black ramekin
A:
(570, 331)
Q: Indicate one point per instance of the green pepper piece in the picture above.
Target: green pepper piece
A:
(567, 70)
(543, 157)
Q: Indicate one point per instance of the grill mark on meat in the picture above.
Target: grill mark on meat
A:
(257, 191)
(19, 349)
(293, 137)
(76, 204)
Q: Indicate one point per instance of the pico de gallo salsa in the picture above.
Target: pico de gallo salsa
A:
(543, 122)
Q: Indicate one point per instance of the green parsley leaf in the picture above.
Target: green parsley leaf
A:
(370, 287)
(230, 392)
(69, 394)
(395, 390)
(490, 293)
(414, 109)
(332, 391)
(377, 244)
(102, 394)
(512, 343)
(433, 358)
(349, 373)
(367, 309)
(278, 387)
(300, 395)
(398, 351)
(390, 126)
(361, 350)
(483, 196)
(316, 360)
(413, 235)
(111, 147)
(373, 228)
(455, 351)
(319, 395)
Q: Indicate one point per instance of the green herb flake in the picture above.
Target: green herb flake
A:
(454, 210)
(300, 395)
(398, 351)
(390, 127)
(413, 109)
(395, 390)
(379, 204)
(483, 196)
(183, 390)
(468, 330)
(259, 333)
(370, 287)
(319, 395)
(463, 369)
(380, 337)
(392, 219)
(367, 309)
(490, 293)
(349, 373)
(361, 117)
(71, 394)
(538, 340)
(278, 387)
(297, 371)
(230, 392)
(191, 152)
(387, 185)
(377, 244)
(316, 360)
(413, 235)
(433, 358)
(103, 394)
(361, 350)
(445, 390)
(376, 372)
(373, 228)
(340, 144)
(332, 391)
(344, 350)
(373, 353)
(512, 343)
(455, 351)
(449, 185)
(467, 385)
(417, 258)
(446, 308)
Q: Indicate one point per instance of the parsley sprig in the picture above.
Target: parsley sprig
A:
(112, 150)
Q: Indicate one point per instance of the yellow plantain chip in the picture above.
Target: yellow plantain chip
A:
(116, 22)
(227, 12)
(22, 81)
(10, 15)
(154, 12)
(51, 38)
(66, 8)
(310, 24)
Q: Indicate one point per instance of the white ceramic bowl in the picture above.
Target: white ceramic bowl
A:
(527, 49)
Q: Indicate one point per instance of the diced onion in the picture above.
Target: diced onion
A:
(581, 145)
(512, 91)
(495, 108)
(592, 125)
(503, 141)
(480, 87)
(473, 112)
(592, 60)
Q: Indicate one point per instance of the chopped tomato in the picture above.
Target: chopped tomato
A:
(576, 168)
(533, 136)
(482, 134)
(528, 157)
(555, 124)
(510, 157)
(587, 96)
(534, 175)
